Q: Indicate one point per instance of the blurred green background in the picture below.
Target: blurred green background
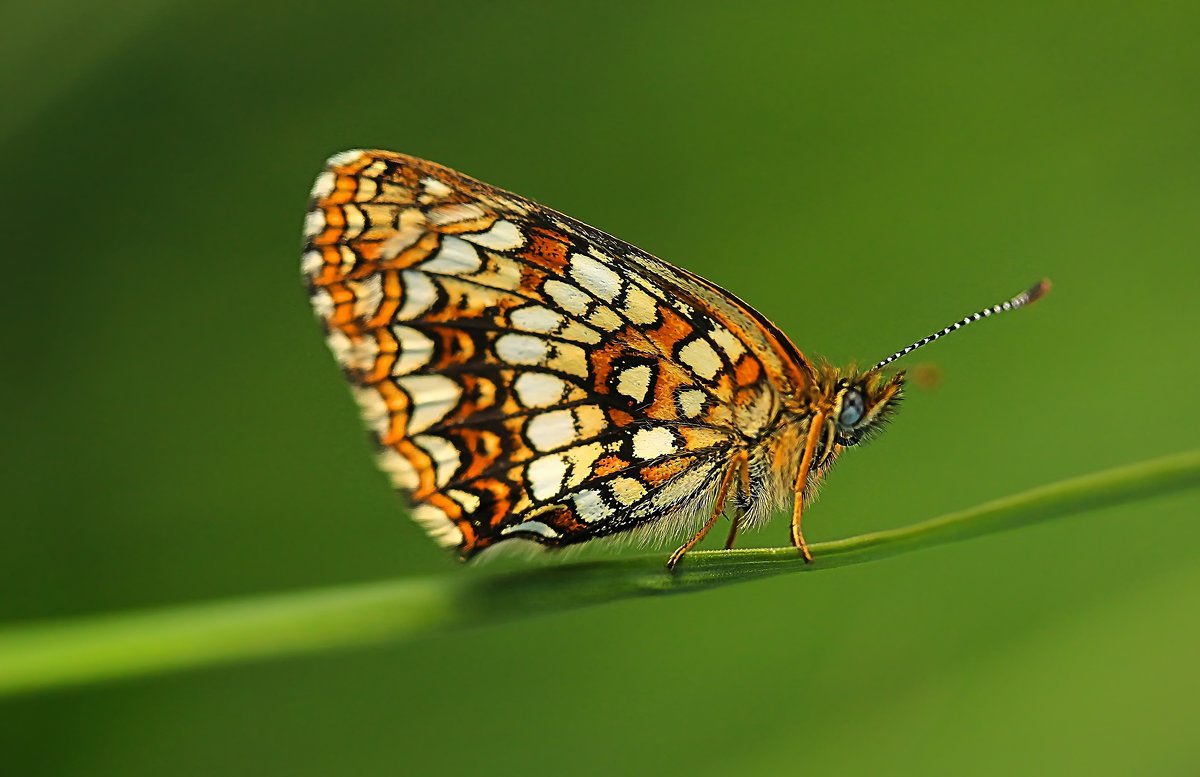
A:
(862, 174)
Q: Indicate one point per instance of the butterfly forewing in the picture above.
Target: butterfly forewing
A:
(523, 374)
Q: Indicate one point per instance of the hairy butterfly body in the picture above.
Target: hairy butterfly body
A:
(526, 376)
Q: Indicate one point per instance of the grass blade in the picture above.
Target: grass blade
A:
(40, 656)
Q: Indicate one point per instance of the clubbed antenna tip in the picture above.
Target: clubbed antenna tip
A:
(1039, 290)
(1032, 294)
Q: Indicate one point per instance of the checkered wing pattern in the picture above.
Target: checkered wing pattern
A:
(522, 374)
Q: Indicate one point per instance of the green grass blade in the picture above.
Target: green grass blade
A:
(40, 656)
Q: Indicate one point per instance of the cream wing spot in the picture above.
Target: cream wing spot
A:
(595, 277)
(435, 187)
(433, 396)
(442, 453)
(604, 318)
(454, 213)
(567, 297)
(353, 354)
(570, 359)
(364, 352)
(530, 527)
(355, 221)
(323, 186)
(537, 389)
(341, 347)
(311, 263)
(691, 402)
(590, 421)
(627, 491)
(343, 158)
(398, 469)
(522, 349)
(416, 350)
(582, 459)
(438, 525)
(591, 507)
(367, 188)
(652, 443)
(322, 303)
(373, 170)
(701, 358)
(580, 333)
(503, 236)
(419, 295)
(467, 501)
(548, 431)
(455, 257)
(368, 295)
(374, 410)
(349, 260)
(640, 307)
(535, 318)
(545, 476)
(725, 340)
(500, 272)
(634, 382)
(314, 223)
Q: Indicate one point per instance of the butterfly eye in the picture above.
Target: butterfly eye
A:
(853, 409)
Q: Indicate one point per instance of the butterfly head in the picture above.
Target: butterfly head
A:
(862, 403)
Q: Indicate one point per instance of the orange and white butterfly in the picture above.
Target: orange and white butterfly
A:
(526, 376)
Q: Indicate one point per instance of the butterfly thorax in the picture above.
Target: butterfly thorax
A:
(828, 411)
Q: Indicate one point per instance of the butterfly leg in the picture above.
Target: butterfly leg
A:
(718, 508)
(815, 430)
(735, 524)
(797, 535)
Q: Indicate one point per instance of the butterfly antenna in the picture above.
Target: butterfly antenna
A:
(1021, 300)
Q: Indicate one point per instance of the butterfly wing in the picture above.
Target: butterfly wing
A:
(523, 374)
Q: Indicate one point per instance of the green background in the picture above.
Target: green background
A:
(176, 431)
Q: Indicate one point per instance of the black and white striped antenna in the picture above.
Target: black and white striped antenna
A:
(1036, 292)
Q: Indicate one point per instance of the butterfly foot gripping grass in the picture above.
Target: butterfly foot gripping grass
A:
(526, 376)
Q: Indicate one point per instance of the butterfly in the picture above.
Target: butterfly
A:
(526, 376)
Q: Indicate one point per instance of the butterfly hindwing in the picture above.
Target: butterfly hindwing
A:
(523, 374)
